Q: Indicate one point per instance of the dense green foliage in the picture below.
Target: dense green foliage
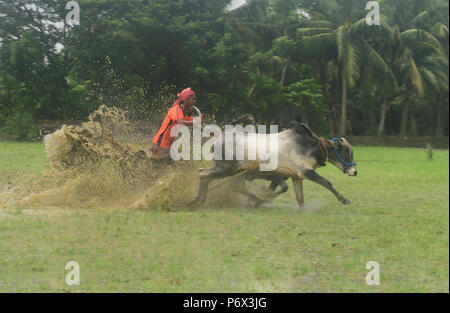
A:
(278, 59)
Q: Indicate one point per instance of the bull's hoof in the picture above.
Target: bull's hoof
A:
(346, 201)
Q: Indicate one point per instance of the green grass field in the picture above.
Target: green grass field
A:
(399, 218)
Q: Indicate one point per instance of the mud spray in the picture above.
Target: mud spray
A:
(99, 164)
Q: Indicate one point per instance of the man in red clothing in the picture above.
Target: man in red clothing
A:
(178, 115)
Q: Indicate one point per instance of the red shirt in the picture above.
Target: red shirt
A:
(162, 137)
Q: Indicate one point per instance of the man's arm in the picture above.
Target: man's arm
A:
(187, 122)
(181, 121)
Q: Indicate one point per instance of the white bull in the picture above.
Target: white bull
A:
(299, 152)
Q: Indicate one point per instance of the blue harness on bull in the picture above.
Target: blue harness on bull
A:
(324, 151)
(346, 165)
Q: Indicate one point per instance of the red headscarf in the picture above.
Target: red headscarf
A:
(184, 95)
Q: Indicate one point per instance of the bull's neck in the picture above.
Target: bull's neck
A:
(331, 151)
(324, 150)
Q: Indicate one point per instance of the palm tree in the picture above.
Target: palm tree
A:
(419, 60)
(269, 28)
(340, 34)
(434, 19)
(440, 31)
(415, 54)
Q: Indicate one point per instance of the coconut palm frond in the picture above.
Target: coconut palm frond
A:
(428, 48)
(363, 30)
(301, 32)
(427, 16)
(416, 78)
(382, 72)
(351, 65)
(412, 36)
(318, 46)
(438, 66)
(440, 30)
(439, 62)
(348, 56)
(431, 79)
(317, 24)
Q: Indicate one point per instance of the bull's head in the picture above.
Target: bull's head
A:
(341, 155)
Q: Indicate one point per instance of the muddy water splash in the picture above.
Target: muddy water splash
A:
(95, 165)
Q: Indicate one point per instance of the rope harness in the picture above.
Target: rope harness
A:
(321, 141)
(346, 165)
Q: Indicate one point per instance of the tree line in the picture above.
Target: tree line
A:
(310, 60)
